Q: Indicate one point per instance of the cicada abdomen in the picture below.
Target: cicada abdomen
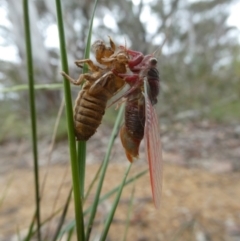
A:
(132, 131)
(90, 107)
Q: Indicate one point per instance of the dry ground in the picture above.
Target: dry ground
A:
(197, 203)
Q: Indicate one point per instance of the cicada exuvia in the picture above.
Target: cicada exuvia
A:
(100, 85)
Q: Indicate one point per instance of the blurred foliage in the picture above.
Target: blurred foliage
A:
(15, 123)
(199, 62)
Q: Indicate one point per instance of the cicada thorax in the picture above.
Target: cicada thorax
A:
(116, 63)
(132, 131)
(153, 80)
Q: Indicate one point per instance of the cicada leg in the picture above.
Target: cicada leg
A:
(93, 67)
(82, 78)
(102, 80)
(130, 78)
(79, 81)
(137, 57)
(89, 77)
(120, 102)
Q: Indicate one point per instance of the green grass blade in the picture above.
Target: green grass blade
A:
(114, 207)
(33, 111)
(70, 233)
(82, 164)
(70, 225)
(71, 137)
(30, 230)
(16, 88)
(88, 47)
(52, 143)
(110, 193)
(82, 144)
(63, 216)
(92, 182)
(5, 191)
(103, 171)
(130, 208)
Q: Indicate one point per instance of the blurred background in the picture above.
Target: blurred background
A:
(198, 108)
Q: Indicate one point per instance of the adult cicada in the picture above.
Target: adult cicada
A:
(141, 120)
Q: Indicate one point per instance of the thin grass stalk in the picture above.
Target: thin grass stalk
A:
(70, 225)
(52, 144)
(114, 207)
(5, 191)
(103, 171)
(130, 208)
(30, 230)
(33, 231)
(70, 233)
(82, 144)
(55, 201)
(71, 137)
(92, 183)
(81, 150)
(63, 216)
(110, 193)
(26, 87)
(33, 112)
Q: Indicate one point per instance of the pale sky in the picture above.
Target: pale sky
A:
(9, 52)
(234, 18)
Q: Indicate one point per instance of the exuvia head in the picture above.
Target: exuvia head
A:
(98, 45)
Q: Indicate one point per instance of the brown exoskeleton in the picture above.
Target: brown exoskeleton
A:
(101, 84)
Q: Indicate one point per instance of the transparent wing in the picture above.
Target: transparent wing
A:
(128, 92)
(153, 148)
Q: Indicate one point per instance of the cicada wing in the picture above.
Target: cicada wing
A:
(126, 94)
(153, 148)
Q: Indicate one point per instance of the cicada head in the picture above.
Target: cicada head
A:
(102, 51)
(153, 62)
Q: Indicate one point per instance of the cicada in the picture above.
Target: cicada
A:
(101, 84)
(141, 120)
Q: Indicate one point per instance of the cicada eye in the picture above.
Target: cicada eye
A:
(153, 61)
